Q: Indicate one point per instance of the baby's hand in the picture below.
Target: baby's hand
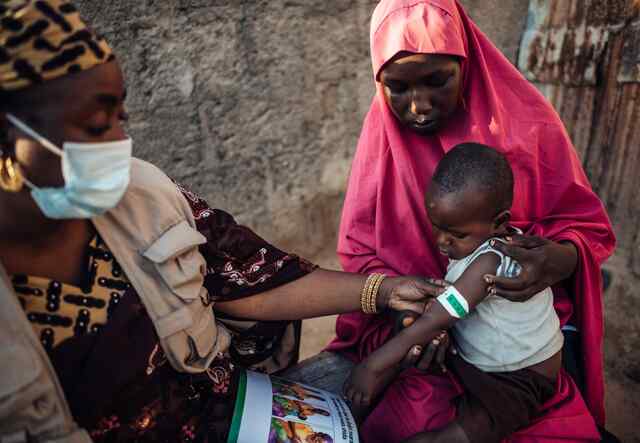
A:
(433, 357)
(363, 387)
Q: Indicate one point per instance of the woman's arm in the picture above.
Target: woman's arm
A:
(369, 378)
(249, 278)
(325, 292)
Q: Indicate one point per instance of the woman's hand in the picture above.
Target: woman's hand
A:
(408, 293)
(544, 263)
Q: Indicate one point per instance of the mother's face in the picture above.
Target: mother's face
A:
(422, 90)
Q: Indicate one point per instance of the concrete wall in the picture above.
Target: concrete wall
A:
(257, 105)
(502, 21)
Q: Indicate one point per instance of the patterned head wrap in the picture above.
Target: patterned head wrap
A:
(42, 40)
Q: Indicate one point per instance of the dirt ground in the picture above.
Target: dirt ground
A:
(316, 334)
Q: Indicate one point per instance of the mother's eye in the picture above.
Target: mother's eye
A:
(438, 80)
(396, 87)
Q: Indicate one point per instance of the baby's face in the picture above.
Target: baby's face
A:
(460, 222)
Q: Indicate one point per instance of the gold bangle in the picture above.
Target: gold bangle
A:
(373, 295)
(376, 289)
(364, 298)
(370, 286)
(364, 295)
(369, 295)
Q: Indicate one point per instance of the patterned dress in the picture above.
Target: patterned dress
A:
(59, 311)
(104, 348)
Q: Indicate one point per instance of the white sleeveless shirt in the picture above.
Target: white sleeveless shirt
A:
(500, 335)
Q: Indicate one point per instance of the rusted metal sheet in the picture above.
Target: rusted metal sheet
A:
(630, 70)
(564, 40)
(563, 55)
(584, 56)
(576, 107)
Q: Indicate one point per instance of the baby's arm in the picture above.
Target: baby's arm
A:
(371, 376)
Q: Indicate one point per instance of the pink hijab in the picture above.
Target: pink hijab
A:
(384, 223)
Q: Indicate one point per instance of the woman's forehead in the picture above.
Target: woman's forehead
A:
(71, 91)
(412, 58)
(418, 27)
(80, 94)
(422, 64)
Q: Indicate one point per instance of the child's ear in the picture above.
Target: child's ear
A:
(500, 221)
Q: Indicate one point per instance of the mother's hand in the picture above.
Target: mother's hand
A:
(408, 293)
(544, 263)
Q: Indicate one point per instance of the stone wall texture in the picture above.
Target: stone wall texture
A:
(257, 105)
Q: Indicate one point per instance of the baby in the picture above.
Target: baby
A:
(508, 353)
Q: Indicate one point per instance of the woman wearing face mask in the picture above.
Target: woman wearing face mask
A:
(441, 82)
(120, 272)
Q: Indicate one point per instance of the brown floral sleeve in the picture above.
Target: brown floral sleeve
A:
(241, 264)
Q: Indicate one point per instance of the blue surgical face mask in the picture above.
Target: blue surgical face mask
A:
(96, 176)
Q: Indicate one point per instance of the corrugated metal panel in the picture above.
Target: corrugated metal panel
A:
(630, 71)
(565, 39)
(563, 54)
(584, 55)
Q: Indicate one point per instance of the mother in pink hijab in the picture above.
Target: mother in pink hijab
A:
(441, 82)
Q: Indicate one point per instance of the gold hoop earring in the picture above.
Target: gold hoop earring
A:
(11, 179)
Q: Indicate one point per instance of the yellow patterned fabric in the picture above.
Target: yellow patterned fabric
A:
(42, 40)
(59, 311)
